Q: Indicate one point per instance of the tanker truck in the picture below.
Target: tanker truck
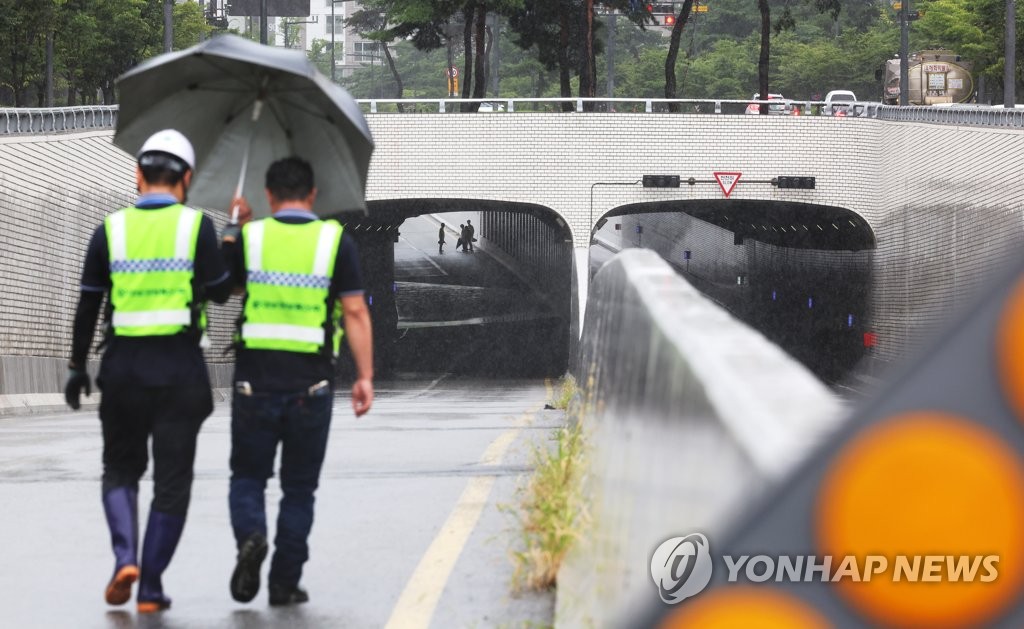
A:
(936, 76)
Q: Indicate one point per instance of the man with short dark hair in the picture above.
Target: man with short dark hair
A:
(300, 274)
(470, 234)
(159, 262)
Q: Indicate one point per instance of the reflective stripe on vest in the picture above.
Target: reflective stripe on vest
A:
(289, 268)
(152, 258)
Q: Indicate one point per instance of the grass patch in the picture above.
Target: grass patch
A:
(550, 510)
(567, 390)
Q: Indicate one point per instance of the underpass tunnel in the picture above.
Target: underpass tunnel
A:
(502, 309)
(799, 273)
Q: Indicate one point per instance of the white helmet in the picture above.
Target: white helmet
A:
(173, 143)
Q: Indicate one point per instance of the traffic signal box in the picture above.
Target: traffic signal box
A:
(805, 183)
(934, 466)
(661, 181)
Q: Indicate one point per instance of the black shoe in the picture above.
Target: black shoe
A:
(245, 580)
(284, 595)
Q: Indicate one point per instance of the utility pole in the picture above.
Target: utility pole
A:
(263, 22)
(49, 69)
(334, 65)
(496, 57)
(904, 53)
(202, 11)
(610, 53)
(1010, 76)
(168, 25)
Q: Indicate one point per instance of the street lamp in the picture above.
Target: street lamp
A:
(287, 23)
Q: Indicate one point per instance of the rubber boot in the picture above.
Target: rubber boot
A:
(162, 534)
(120, 505)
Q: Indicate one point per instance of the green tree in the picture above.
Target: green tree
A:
(673, 52)
(972, 29)
(189, 24)
(371, 21)
(23, 32)
(320, 54)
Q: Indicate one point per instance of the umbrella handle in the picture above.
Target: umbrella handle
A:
(257, 108)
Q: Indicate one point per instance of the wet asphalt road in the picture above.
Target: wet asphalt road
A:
(466, 313)
(453, 287)
(395, 484)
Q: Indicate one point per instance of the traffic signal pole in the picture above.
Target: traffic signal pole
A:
(609, 51)
(263, 21)
(904, 53)
(1010, 74)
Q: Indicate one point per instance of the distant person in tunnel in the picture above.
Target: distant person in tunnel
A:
(461, 243)
(440, 240)
(300, 275)
(159, 262)
(470, 233)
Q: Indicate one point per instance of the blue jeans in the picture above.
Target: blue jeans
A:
(300, 422)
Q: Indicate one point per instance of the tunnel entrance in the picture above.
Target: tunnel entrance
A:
(799, 273)
(501, 308)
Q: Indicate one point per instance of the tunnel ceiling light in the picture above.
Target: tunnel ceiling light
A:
(834, 225)
(819, 227)
(851, 222)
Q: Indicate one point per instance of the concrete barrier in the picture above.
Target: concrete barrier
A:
(690, 415)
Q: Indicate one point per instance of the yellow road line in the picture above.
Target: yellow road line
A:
(418, 601)
(416, 605)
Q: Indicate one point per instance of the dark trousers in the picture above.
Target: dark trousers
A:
(300, 422)
(172, 416)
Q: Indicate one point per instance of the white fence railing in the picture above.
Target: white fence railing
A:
(607, 105)
(29, 121)
(57, 119)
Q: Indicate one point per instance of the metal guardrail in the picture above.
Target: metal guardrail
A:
(604, 105)
(970, 115)
(29, 121)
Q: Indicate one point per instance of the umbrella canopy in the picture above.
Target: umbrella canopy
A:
(244, 105)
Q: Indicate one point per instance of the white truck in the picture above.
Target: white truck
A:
(839, 103)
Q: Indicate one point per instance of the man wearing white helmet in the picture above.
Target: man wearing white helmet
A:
(159, 262)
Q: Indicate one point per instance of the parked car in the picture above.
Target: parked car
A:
(839, 103)
(782, 108)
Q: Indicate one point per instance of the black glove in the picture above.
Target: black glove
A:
(78, 379)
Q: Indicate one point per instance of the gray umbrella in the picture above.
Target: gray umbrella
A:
(244, 105)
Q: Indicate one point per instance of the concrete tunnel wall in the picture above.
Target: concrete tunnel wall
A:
(948, 196)
(689, 413)
(54, 192)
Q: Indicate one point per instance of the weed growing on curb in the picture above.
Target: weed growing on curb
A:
(550, 509)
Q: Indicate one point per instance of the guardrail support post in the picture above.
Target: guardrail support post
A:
(440, 106)
(579, 104)
(718, 106)
(647, 106)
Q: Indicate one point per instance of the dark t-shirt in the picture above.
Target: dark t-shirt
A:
(281, 371)
(149, 361)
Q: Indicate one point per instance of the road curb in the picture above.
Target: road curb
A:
(21, 404)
